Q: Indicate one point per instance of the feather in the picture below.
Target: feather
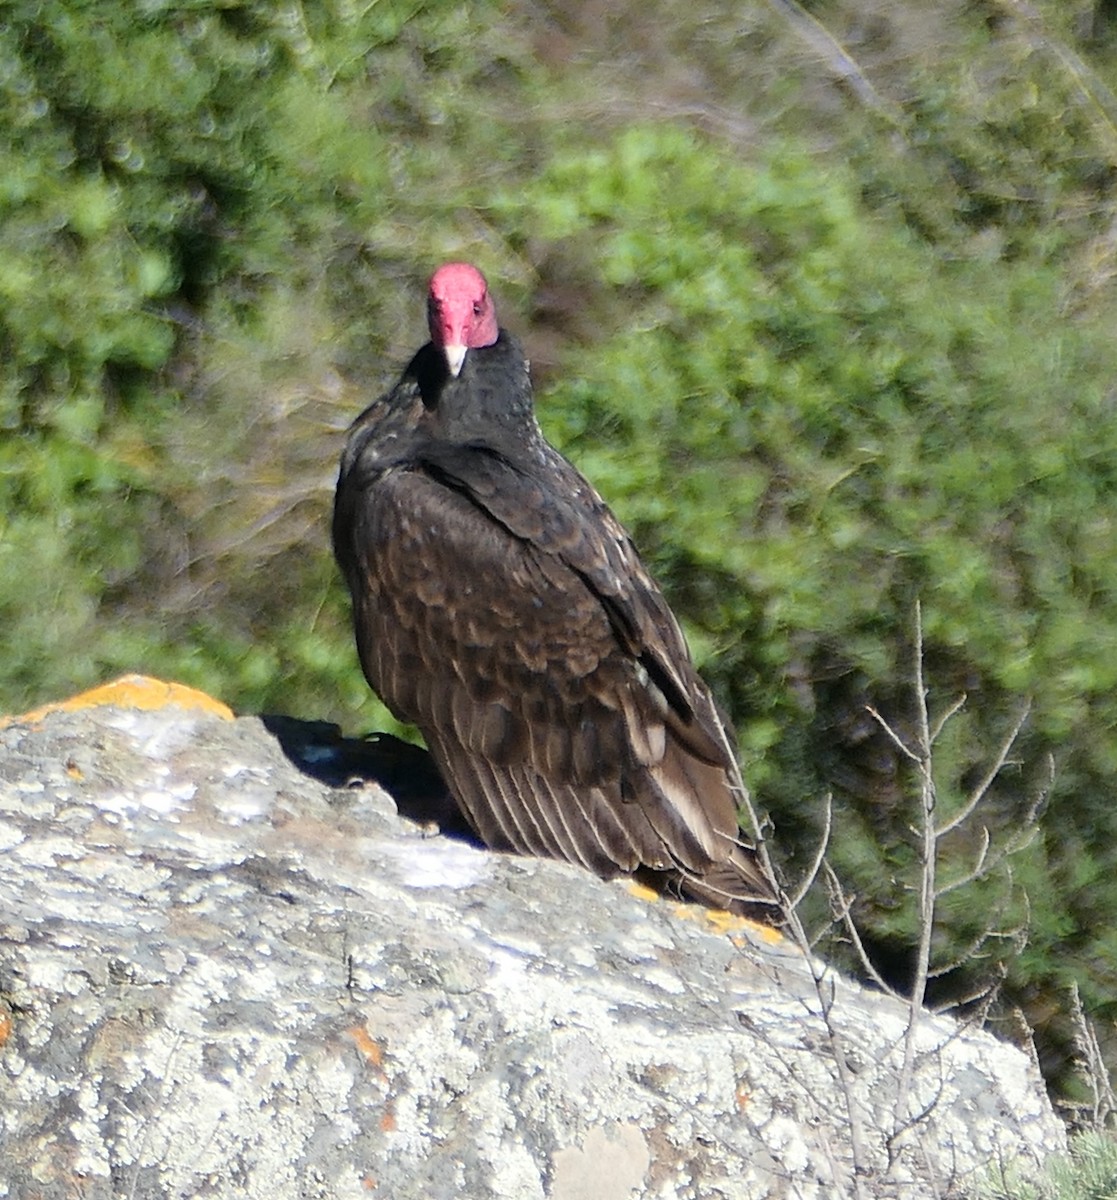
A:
(502, 608)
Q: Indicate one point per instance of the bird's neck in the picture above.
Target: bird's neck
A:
(489, 403)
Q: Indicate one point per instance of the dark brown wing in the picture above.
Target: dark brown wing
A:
(504, 611)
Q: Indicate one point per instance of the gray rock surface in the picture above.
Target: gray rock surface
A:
(221, 977)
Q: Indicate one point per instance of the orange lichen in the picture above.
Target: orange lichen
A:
(129, 691)
(765, 932)
(6, 1026)
(369, 1047)
(721, 921)
(717, 920)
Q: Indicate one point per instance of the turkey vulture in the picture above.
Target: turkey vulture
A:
(501, 608)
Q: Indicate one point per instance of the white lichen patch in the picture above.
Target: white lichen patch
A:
(92, 1158)
(167, 800)
(48, 851)
(435, 863)
(207, 981)
(150, 733)
(515, 1171)
(424, 1072)
(784, 1137)
(242, 806)
(124, 875)
(664, 980)
(10, 835)
(119, 804)
(530, 1000)
(56, 976)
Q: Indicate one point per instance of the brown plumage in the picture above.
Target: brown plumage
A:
(501, 607)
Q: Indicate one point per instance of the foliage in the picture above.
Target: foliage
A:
(203, 217)
(823, 359)
(1087, 1172)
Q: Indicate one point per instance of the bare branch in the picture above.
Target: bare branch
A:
(836, 57)
(929, 861)
(842, 914)
(966, 954)
(916, 746)
(1091, 1064)
(977, 871)
(823, 844)
(920, 687)
(979, 792)
(982, 996)
(798, 934)
(841, 908)
(895, 738)
(940, 724)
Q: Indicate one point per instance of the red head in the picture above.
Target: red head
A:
(460, 312)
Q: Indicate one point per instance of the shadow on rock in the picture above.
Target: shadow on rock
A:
(406, 772)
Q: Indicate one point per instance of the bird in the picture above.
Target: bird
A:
(501, 608)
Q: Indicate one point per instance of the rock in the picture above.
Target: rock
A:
(222, 976)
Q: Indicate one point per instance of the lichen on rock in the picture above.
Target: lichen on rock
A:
(224, 972)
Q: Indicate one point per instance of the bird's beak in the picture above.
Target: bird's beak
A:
(455, 356)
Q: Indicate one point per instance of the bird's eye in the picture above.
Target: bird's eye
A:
(477, 309)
